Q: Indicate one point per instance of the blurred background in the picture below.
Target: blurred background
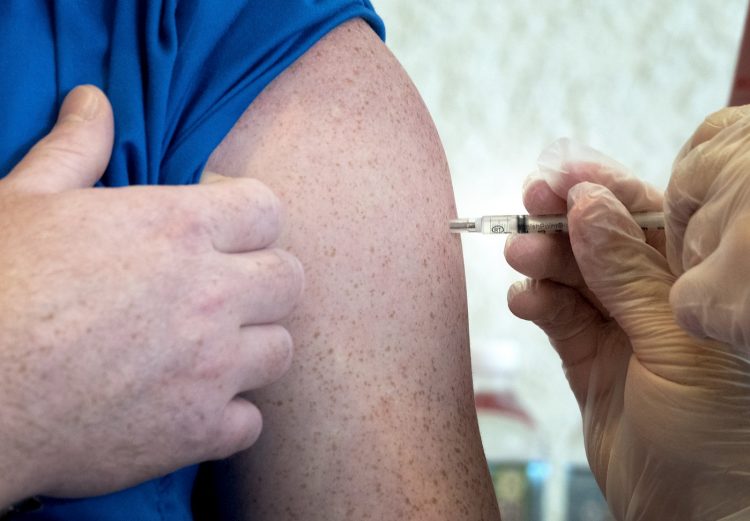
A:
(503, 79)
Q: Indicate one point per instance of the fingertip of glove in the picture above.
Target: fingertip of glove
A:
(539, 198)
(589, 194)
(532, 180)
(551, 156)
(596, 216)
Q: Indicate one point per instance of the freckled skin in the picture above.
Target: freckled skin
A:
(375, 419)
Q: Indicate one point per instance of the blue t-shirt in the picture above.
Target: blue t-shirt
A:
(179, 73)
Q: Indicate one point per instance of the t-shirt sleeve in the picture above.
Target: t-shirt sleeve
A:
(179, 73)
(201, 64)
(222, 61)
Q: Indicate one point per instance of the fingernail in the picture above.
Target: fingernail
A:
(209, 177)
(81, 104)
(550, 159)
(517, 287)
(532, 178)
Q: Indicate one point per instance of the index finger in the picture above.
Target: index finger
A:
(566, 163)
(242, 214)
(540, 199)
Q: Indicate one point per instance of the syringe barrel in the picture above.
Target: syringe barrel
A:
(522, 224)
(544, 224)
(497, 224)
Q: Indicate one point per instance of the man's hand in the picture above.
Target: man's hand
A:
(130, 318)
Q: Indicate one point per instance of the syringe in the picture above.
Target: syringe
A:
(539, 223)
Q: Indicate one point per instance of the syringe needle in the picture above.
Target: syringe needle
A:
(463, 225)
(499, 224)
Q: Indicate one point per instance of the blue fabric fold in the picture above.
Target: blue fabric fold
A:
(179, 73)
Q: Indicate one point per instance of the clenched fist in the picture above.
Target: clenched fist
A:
(131, 318)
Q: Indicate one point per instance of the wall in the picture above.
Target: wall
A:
(504, 78)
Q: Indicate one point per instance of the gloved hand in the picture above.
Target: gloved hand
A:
(666, 422)
(708, 214)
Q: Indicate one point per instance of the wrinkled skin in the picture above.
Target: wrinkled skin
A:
(131, 318)
(665, 415)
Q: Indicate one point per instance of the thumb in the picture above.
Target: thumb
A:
(76, 151)
(629, 277)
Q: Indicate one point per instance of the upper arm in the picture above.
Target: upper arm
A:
(376, 414)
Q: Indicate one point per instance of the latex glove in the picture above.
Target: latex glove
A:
(666, 423)
(130, 318)
(708, 219)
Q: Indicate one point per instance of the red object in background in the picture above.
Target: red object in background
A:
(741, 86)
(504, 403)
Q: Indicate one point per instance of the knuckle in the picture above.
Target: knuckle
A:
(208, 299)
(269, 352)
(261, 196)
(563, 310)
(260, 190)
(296, 270)
(197, 425)
(238, 434)
(178, 221)
(686, 311)
(289, 275)
(281, 351)
(225, 447)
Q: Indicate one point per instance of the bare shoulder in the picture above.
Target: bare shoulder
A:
(346, 141)
(381, 369)
(347, 91)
